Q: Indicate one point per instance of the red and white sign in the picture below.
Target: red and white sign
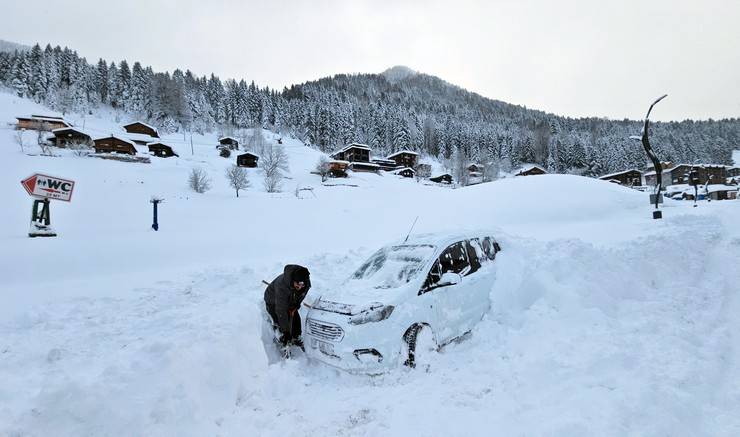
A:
(49, 187)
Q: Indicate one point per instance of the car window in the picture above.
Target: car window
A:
(490, 247)
(475, 255)
(453, 259)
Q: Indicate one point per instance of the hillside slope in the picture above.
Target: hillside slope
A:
(603, 321)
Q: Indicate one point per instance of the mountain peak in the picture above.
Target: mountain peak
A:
(398, 73)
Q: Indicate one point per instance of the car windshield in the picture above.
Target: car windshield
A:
(392, 266)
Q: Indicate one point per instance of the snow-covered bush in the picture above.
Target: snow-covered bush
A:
(199, 180)
(224, 152)
(322, 167)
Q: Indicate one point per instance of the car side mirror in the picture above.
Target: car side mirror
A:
(449, 278)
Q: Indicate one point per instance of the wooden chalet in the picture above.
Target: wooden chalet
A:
(66, 136)
(41, 122)
(404, 158)
(114, 144)
(628, 178)
(385, 164)
(444, 178)
(355, 152)
(229, 142)
(406, 172)
(679, 174)
(141, 128)
(531, 170)
(247, 159)
(338, 169)
(160, 149)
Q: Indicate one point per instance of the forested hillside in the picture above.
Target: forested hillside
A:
(398, 109)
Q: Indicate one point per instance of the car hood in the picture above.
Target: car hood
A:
(352, 301)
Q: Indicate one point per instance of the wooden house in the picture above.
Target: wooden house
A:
(531, 170)
(114, 144)
(406, 172)
(229, 142)
(355, 152)
(338, 169)
(444, 178)
(404, 158)
(41, 122)
(247, 159)
(679, 174)
(628, 178)
(141, 128)
(160, 149)
(66, 136)
(385, 164)
(364, 166)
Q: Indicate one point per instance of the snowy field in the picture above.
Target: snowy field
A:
(603, 321)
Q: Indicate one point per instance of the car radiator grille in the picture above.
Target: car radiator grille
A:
(324, 331)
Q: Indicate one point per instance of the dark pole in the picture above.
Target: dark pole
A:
(155, 201)
(656, 162)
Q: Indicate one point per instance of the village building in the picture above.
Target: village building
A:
(141, 128)
(229, 142)
(114, 144)
(679, 174)
(160, 149)
(338, 169)
(385, 164)
(41, 122)
(444, 178)
(355, 152)
(247, 159)
(404, 158)
(67, 136)
(406, 172)
(530, 170)
(628, 178)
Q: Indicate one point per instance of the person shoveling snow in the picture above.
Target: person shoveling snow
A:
(283, 298)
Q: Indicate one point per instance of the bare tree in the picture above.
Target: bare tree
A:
(237, 177)
(199, 180)
(79, 149)
(19, 139)
(322, 167)
(274, 162)
(460, 167)
(42, 131)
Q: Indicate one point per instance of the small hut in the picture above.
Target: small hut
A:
(160, 149)
(628, 178)
(444, 178)
(338, 169)
(406, 172)
(531, 170)
(66, 136)
(404, 158)
(114, 144)
(141, 128)
(41, 122)
(229, 142)
(248, 159)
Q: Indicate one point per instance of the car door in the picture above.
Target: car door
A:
(478, 282)
(451, 301)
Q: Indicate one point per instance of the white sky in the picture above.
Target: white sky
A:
(576, 58)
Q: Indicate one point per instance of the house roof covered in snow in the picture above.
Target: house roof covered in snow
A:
(228, 138)
(250, 154)
(352, 146)
(397, 171)
(141, 123)
(670, 169)
(402, 152)
(611, 175)
(47, 118)
(119, 138)
(62, 130)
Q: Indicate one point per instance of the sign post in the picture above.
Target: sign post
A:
(43, 188)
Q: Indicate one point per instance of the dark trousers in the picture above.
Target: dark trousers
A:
(293, 333)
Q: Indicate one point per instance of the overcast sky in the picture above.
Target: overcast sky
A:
(575, 58)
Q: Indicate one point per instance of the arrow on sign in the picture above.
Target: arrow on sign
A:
(29, 184)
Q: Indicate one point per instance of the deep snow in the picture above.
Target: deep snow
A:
(603, 321)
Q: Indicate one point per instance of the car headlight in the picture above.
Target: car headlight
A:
(373, 314)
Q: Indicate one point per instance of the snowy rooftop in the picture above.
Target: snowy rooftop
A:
(352, 146)
(611, 175)
(71, 129)
(227, 138)
(125, 140)
(250, 154)
(401, 152)
(142, 138)
(48, 118)
(670, 169)
(141, 123)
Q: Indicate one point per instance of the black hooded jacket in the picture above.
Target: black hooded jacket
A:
(281, 295)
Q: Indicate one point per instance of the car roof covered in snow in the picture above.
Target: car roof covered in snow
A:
(444, 239)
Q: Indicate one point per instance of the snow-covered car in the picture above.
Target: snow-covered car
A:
(438, 286)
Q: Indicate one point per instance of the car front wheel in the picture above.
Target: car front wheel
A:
(419, 345)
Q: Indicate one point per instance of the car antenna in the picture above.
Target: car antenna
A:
(412, 228)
